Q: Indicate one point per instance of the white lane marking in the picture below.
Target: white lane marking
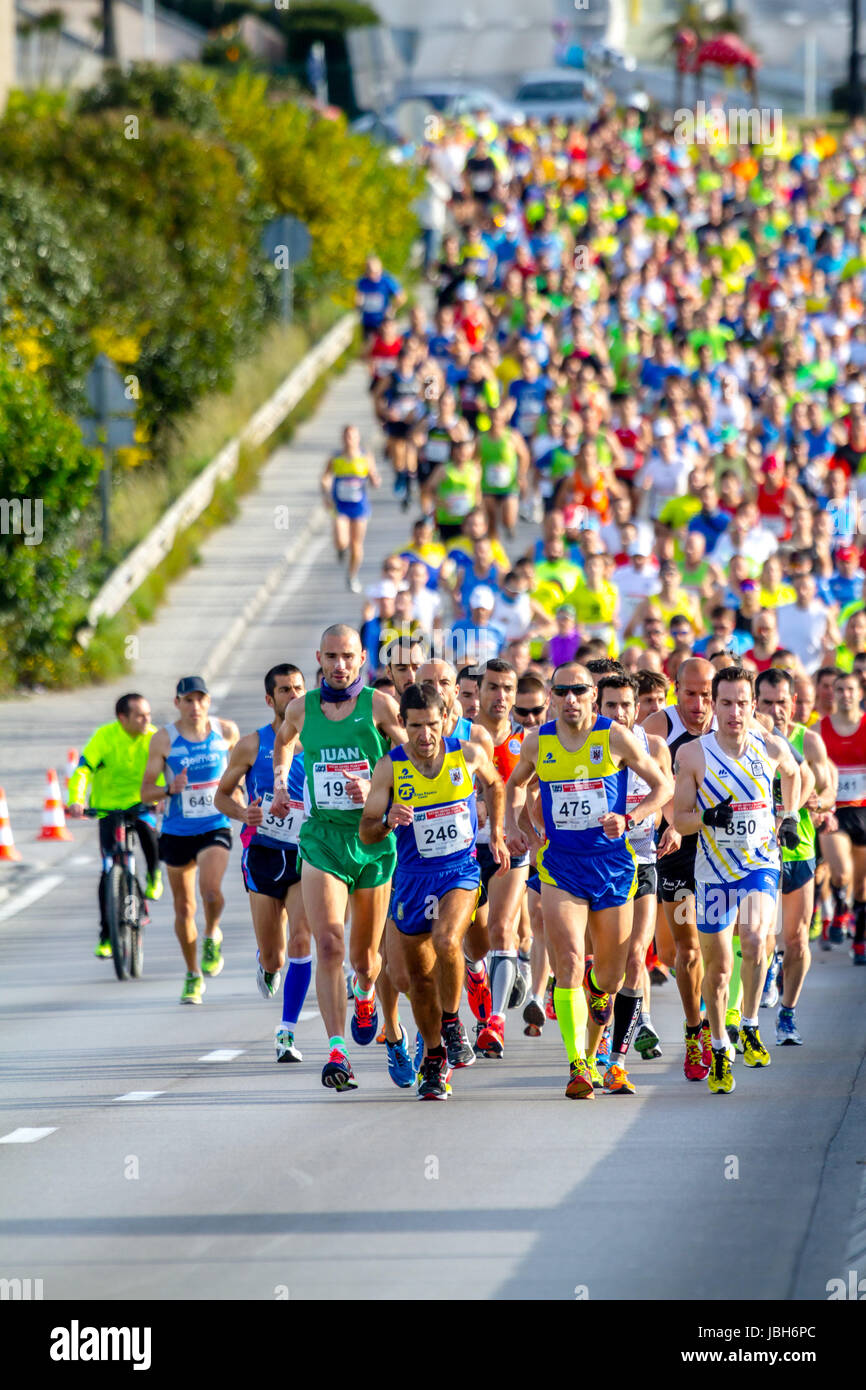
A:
(30, 895)
(140, 1095)
(26, 1136)
(307, 1014)
(222, 1054)
(82, 859)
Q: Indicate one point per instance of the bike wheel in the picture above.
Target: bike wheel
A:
(136, 930)
(118, 927)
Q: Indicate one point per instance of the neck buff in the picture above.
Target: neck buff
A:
(329, 696)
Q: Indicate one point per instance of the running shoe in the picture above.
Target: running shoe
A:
(732, 1028)
(600, 1004)
(770, 993)
(354, 584)
(380, 1036)
(617, 1083)
(212, 961)
(350, 993)
(580, 1085)
(103, 948)
(533, 1017)
(787, 1033)
(721, 1078)
(458, 1049)
(839, 928)
(365, 1020)
(594, 1073)
(400, 1066)
(267, 981)
(193, 988)
(858, 953)
(434, 1079)
(647, 1042)
(154, 888)
(815, 927)
(419, 1055)
(478, 994)
(706, 1043)
(520, 988)
(602, 1052)
(284, 1042)
(694, 1066)
(754, 1052)
(549, 1006)
(337, 1074)
(826, 944)
(491, 1039)
(659, 974)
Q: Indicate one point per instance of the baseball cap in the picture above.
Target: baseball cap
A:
(384, 589)
(855, 395)
(748, 586)
(482, 596)
(567, 610)
(847, 552)
(662, 428)
(186, 684)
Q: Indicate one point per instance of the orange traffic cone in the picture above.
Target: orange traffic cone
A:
(71, 764)
(53, 819)
(7, 844)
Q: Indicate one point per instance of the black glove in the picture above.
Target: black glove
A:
(718, 815)
(789, 831)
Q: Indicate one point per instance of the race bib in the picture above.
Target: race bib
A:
(349, 489)
(852, 785)
(499, 474)
(748, 829)
(196, 800)
(443, 830)
(282, 828)
(437, 450)
(459, 504)
(329, 784)
(374, 302)
(578, 805)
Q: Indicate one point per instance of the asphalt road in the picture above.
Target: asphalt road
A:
(158, 1170)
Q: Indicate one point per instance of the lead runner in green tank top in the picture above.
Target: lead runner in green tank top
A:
(344, 728)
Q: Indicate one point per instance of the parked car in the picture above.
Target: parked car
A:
(453, 98)
(562, 92)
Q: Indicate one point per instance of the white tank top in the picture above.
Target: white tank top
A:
(727, 854)
(642, 837)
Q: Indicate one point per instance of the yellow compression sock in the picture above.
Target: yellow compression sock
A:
(571, 1015)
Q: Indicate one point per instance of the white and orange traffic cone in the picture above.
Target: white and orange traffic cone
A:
(53, 819)
(71, 765)
(7, 844)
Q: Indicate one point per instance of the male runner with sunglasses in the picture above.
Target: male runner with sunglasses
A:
(586, 865)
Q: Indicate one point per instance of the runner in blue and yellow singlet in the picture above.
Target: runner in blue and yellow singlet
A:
(423, 793)
(345, 484)
(586, 865)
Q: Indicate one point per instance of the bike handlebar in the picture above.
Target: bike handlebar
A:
(132, 812)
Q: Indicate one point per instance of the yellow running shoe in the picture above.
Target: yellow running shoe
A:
(594, 1073)
(211, 956)
(721, 1077)
(103, 949)
(616, 1081)
(754, 1052)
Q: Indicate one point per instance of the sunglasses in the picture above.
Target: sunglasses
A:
(523, 710)
(561, 690)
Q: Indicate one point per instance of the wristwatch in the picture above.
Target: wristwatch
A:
(629, 822)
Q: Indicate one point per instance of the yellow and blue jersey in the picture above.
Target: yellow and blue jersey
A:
(445, 821)
(350, 484)
(579, 787)
(748, 842)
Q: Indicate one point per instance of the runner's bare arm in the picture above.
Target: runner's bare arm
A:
(386, 717)
(225, 800)
(373, 828)
(688, 769)
(823, 798)
(515, 793)
(789, 773)
(156, 756)
(285, 748)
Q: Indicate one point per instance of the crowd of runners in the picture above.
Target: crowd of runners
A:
(557, 775)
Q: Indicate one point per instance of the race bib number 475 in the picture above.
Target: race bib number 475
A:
(578, 805)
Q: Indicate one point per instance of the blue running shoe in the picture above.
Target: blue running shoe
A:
(401, 1068)
(787, 1033)
(365, 1021)
(602, 1055)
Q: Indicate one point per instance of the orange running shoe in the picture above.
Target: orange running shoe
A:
(478, 994)
(549, 1006)
(617, 1083)
(491, 1038)
(380, 1036)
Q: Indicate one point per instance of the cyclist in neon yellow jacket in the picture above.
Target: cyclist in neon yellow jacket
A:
(108, 776)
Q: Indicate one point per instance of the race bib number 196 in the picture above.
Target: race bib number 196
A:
(329, 784)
